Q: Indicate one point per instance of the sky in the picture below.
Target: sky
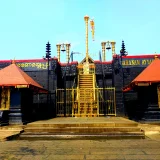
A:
(27, 25)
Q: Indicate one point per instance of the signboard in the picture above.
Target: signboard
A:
(136, 62)
(143, 84)
(21, 86)
(33, 66)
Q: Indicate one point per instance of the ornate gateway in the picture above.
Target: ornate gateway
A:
(95, 102)
(86, 100)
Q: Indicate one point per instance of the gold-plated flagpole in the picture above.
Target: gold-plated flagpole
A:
(86, 18)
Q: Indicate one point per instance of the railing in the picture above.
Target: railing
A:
(70, 101)
(104, 101)
(107, 101)
(74, 82)
(87, 104)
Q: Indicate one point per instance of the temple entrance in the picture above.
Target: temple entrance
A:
(87, 97)
(86, 100)
(92, 103)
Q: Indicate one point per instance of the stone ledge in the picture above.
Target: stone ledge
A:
(10, 132)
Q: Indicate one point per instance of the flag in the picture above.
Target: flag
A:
(92, 28)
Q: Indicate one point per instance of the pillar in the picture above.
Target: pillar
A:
(113, 47)
(58, 51)
(67, 51)
(103, 44)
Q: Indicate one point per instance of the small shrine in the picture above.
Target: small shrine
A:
(16, 94)
(147, 86)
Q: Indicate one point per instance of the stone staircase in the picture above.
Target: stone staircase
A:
(82, 128)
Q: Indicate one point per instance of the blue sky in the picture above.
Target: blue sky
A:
(27, 25)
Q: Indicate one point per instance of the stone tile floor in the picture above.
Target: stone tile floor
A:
(148, 149)
(70, 120)
(141, 149)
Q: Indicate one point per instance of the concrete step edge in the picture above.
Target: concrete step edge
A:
(72, 133)
(86, 127)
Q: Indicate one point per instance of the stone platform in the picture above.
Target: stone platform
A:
(82, 128)
(10, 132)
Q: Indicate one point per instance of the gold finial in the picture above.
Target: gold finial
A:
(14, 61)
(86, 17)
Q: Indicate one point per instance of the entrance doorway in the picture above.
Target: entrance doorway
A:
(96, 102)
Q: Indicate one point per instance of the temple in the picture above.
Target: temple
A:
(35, 89)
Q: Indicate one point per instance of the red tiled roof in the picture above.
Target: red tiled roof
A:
(12, 75)
(151, 74)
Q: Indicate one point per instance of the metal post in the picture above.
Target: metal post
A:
(48, 56)
(103, 83)
(122, 85)
(70, 57)
(86, 18)
(104, 96)
(48, 84)
(65, 93)
(123, 53)
(65, 85)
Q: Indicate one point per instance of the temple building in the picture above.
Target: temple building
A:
(83, 90)
(90, 88)
(16, 90)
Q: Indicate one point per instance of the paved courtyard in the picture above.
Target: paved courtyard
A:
(148, 148)
(135, 149)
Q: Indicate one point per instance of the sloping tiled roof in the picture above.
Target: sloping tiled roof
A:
(151, 74)
(12, 75)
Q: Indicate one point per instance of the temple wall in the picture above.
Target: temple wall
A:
(104, 75)
(132, 67)
(71, 75)
(148, 109)
(111, 73)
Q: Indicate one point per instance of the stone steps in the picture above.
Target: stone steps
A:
(81, 129)
(72, 136)
(61, 125)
